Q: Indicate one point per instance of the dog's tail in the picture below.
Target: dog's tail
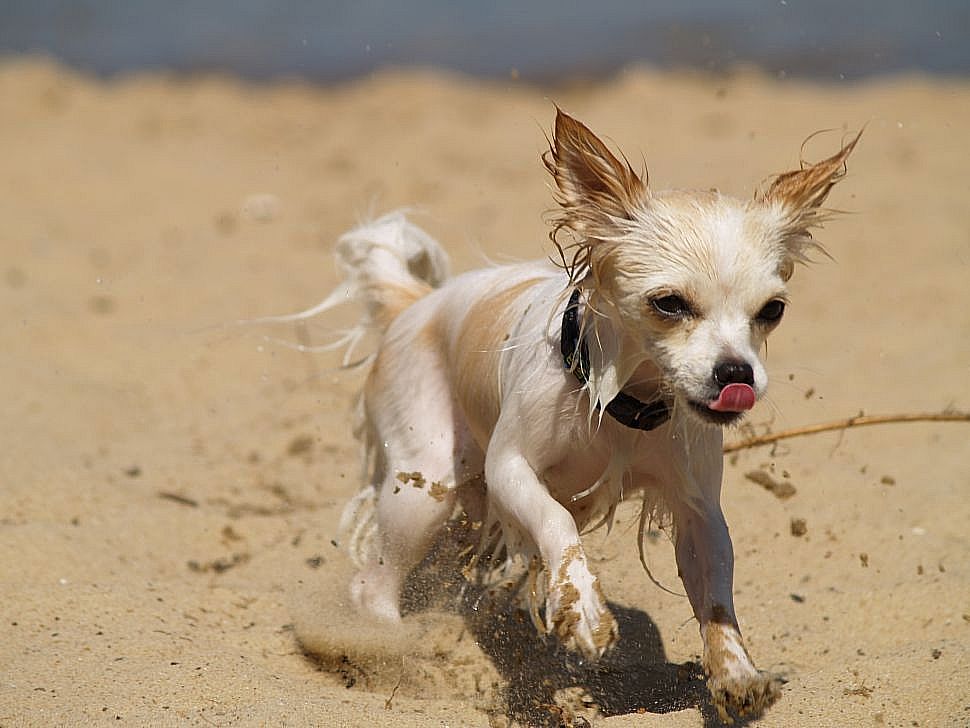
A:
(386, 265)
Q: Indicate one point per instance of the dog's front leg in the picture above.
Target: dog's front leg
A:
(705, 558)
(576, 610)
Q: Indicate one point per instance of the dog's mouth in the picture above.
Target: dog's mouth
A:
(729, 406)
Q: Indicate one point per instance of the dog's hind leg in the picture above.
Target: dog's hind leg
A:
(418, 443)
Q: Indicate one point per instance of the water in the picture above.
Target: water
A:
(545, 40)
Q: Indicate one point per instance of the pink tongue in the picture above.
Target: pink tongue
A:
(734, 398)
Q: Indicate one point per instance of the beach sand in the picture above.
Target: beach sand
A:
(172, 483)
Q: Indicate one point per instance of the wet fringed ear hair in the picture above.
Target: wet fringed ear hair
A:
(800, 193)
(808, 187)
(595, 190)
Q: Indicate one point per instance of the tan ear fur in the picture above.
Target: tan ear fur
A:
(594, 188)
(807, 188)
(800, 194)
(588, 174)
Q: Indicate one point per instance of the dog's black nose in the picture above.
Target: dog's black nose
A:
(733, 372)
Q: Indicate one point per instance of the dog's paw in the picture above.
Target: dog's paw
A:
(738, 688)
(576, 610)
(743, 697)
(374, 596)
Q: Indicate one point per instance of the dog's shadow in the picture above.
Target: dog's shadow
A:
(634, 677)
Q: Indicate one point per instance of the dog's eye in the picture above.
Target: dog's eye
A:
(771, 312)
(671, 306)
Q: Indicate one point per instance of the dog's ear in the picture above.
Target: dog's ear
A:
(798, 195)
(807, 188)
(594, 186)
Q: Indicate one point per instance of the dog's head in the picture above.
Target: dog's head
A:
(691, 281)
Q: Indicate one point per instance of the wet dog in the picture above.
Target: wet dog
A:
(538, 396)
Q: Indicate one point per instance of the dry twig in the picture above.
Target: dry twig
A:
(857, 421)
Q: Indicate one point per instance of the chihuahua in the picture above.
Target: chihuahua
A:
(535, 397)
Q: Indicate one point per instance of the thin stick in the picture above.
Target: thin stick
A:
(388, 704)
(857, 421)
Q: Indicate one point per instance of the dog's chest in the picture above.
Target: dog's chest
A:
(608, 465)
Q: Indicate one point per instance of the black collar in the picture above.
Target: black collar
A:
(624, 408)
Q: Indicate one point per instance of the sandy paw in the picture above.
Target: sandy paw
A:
(576, 611)
(746, 697)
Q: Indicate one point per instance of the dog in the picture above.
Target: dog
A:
(535, 397)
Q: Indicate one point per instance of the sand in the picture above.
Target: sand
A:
(172, 484)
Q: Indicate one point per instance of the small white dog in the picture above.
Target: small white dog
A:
(536, 396)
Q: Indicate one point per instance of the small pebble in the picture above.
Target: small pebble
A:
(263, 207)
